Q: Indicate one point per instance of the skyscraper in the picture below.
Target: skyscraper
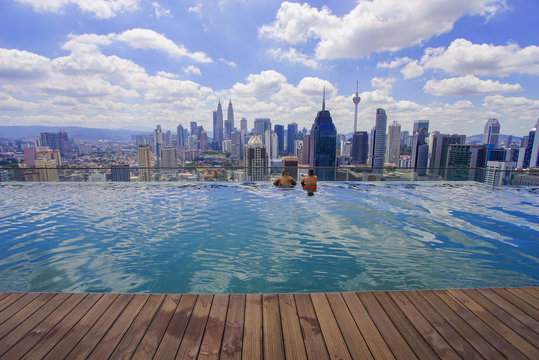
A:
(203, 140)
(180, 140)
(360, 147)
(291, 132)
(379, 145)
(279, 130)
(158, 144)
(256, 160)
(193, 126)
(243, 124)
(420, 149)
(531, 151)
(119, 173)
(218, 132)
(356, 99)
(145, 173)
(323, 144)
(56, 141)
(491, 132)
(229, 123)
(393, 143)
(421, 124)
(439, 145)
(261, 125)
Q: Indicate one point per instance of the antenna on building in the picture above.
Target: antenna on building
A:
(324, 99)
(356, 99)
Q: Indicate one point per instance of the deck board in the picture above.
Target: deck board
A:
(425, 324)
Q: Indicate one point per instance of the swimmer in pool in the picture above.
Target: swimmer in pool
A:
(285, 180)
(309, 183)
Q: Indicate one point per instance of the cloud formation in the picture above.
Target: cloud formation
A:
(103, 9)
(293, 56)
(468, 85)
(378, 25)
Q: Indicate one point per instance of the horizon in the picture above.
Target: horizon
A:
(135, 64)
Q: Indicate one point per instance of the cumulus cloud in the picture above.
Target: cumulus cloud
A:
(294, 57)
(229, 63)
(103, 9)
(468, 85)
(378, 25)
(257, 84)
(20, 64)
(191, 70)
(160, 11)
(196, 9)
(394, 63)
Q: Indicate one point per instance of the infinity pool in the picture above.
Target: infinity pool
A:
(230, 238)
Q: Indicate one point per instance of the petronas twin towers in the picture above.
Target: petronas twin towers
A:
(220, 133)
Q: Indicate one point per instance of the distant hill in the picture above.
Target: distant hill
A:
(74, 132)
(502, 139)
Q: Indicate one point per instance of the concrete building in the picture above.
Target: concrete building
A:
(145, 172)
(47, 170)
(393, 148)
(256, 160)
(439, 149)
(379, 145)
(261, 126)
(360, 148)
(491, 132)
(500, 173)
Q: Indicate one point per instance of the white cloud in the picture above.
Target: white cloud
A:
(395, 63)
(167, 75)
(412, 70)
(229, 63)
(103, 9)
(191, 70)
(257, 84)
(196, 9)
(384, 84)
(160, 11)
(294, 57)
(378, 25)
(468, 85)
(20, 64)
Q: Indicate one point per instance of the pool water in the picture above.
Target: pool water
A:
(251, 238)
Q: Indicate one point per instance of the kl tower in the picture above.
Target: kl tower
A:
(356, 100)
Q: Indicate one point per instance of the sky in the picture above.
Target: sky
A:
(133, 64)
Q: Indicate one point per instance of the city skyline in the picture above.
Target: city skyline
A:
(136, 64)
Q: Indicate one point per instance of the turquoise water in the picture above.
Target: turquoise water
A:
(230, 238)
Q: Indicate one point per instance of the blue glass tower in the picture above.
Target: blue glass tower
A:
(279, 130)
(323, 145)
(292, 130)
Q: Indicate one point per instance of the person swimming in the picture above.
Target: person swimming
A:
(285, 180)
(309, 183)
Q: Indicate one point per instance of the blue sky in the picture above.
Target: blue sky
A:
(135, 63)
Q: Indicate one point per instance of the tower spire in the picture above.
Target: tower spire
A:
(324, 99)
(356, 99)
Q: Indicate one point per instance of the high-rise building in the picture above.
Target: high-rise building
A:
(180, 140)
(393, 143)
(193, 127)
(356, 99)
(218, 131)
(279, 130)
(305, 151)
(236, 144)
(261, 126)
(243, 124)
(323, 144)
(379, 144)
(291, 132)
(531, 151)
(203, 142)
(499, 172)
(404, 138)
(145, 172)
(120, 173)
(56, 141)
(229, 123)
(360, 147)
(158, 144)
(463, 161)
(420, 148)
(491, 132)
(439, 149)
(256, 160)
(169, 157)
(47, 170)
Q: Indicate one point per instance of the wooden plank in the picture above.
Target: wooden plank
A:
(68, 342)
(413, 338)
(3, 295)
(526, 296)
(233, 333)
(429, 333)
(24, 313)
(518, 343)
(378, 347)
(476, 340)
(397, 344)
(133, 336)
(518, 302)
(211, 342)
(508, 319)
(63, 327)
(16, 306)
(252, 328)
(173, 335)
(152, 338)
(271, 324)
(335, 343)
(30, 323)
(352, 336)
(457, 342)
(190, 344)
(108, 343)
(511, 309)
(294, 347)
(92, 338)
(315, 345)
(9, 299)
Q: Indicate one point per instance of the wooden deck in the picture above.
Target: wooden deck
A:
(447, 324)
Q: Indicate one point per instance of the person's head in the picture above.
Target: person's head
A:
(311, 172)
(285, 173)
